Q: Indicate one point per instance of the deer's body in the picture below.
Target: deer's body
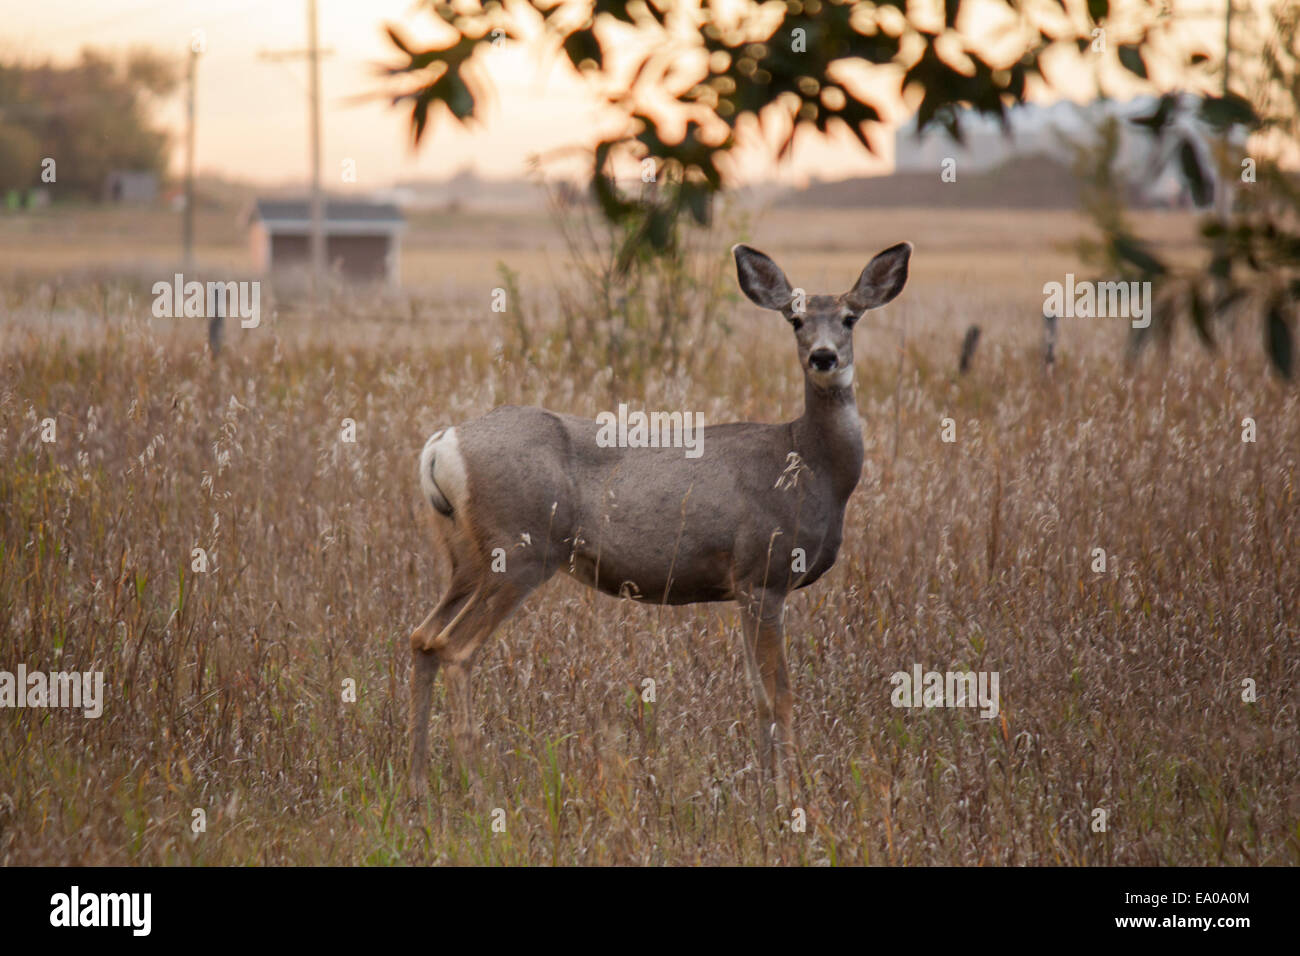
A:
(597, 513)
(758, 514)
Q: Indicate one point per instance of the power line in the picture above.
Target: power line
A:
(187, 233)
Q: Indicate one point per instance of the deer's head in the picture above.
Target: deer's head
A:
(823, 324)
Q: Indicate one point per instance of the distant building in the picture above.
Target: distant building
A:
(362, 239)
(130, 185)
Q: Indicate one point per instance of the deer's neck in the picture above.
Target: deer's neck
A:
(829, 435)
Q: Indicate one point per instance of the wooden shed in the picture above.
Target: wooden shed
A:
(362, 239)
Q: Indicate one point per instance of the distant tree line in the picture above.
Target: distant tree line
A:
(91, 117)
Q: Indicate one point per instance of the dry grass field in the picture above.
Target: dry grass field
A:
(1121, 691)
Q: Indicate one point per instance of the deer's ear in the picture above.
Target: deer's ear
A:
(882, 279)
(761, 278)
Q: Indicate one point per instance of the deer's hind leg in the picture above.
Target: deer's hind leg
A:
(424, 668)
(457, 646)
(477, 601)
(458, 568)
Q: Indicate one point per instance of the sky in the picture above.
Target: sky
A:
(252, 112)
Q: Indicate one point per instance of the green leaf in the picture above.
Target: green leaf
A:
(1277, 340)
(1224, 111)
(451, 89)
(618, 10)
(1198, 179)
(611, 203)
(399, 41)
(1136, 252)
(1130, 55)
(1157, 121)
(1201, 319)
(582, 45)
(419, 119)
(699, 200)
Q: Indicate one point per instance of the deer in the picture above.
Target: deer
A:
(756, 516)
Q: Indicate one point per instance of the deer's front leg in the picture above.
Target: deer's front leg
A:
(762, 699)
(464, 731)
(763, 613)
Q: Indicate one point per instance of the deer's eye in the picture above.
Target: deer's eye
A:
(796, 322)
(849, 320)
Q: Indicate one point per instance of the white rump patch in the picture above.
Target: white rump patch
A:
(442, 471)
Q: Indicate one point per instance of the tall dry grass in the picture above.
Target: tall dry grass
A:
(1120, 691)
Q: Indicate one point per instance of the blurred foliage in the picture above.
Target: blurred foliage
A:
(1250, 257)
(91, 118)
(20, 157)
(790, 67)
(661, 311)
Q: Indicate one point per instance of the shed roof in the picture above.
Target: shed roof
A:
(356, 217)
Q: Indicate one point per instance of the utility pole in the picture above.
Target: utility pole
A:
(216, 323)
(317, 202)
(316, 239)
(187, 223)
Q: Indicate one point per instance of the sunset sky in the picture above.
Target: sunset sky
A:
(252, 120)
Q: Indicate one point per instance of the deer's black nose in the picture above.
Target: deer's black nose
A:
(823, 360)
